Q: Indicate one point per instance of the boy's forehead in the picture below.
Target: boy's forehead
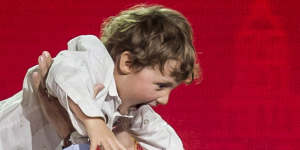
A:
(169, 67)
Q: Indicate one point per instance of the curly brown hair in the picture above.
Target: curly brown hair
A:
(153, 35)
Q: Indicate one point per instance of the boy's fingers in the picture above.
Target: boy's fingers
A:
(97, 89)
(104, 146)
(93, 146)
(119, 146)
(116, 145)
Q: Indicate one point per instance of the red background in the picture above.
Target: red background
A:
(249, 98)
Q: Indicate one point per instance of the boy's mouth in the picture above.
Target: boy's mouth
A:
(151, 103)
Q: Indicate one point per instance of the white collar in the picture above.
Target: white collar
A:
(113, 92)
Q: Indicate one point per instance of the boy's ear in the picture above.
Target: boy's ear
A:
(125, 63)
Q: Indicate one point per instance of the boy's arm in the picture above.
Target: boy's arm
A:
(74, 73)
(68, 78)
(74, 86)
(58, 116)
(152, 132)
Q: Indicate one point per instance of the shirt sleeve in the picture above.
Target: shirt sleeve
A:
(67, 81)
(153, 133)
(72, 75)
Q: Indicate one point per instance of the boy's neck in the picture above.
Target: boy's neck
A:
(123, 109)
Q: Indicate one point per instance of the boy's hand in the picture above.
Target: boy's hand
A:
(99, 134)
(126, 140)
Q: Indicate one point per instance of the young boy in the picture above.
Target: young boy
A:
(149, 53)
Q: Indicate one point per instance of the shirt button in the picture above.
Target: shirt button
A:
(146, 122)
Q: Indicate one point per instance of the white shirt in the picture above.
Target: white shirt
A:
(75, 72)
(22, 124)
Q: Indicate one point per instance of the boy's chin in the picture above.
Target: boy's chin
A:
(139, 105)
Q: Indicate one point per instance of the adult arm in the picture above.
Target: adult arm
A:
(51, 108)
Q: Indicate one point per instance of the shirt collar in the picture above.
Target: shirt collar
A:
(112, 92)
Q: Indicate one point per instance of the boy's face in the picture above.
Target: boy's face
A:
(148, 86)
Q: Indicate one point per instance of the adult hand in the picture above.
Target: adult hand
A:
(51, 107)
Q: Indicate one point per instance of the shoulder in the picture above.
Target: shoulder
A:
(145, 116)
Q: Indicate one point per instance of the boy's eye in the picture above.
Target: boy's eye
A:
(163, 85)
